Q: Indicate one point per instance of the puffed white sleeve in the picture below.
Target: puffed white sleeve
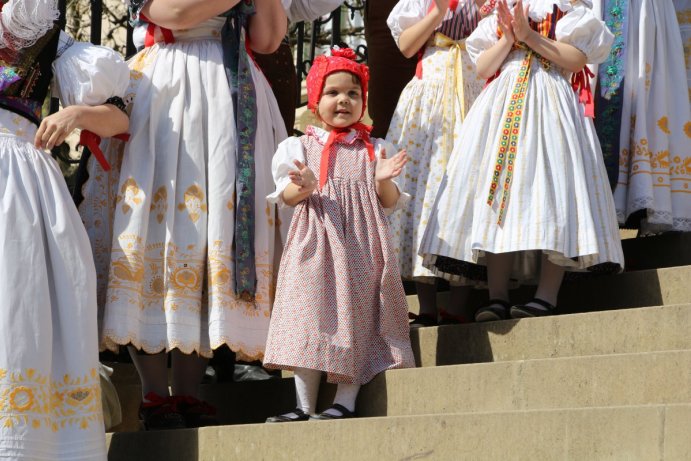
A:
(483, 37)
(581, 28)
(405, 14)
(87, 74)
(404, 197)
(309, 10)
(288, 151)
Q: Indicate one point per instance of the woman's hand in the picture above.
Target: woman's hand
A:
(303, 177)
(505, 21)
(56, 127)
(521, 27)
(388, 168)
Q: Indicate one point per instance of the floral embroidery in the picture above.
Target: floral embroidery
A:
(30, 399)
(130, 195)
(165, 278)
(663, 125)
(159, 204)
(687, 129)
(194, 203)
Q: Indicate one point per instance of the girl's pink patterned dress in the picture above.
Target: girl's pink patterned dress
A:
(340, 306)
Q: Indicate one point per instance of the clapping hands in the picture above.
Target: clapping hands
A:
(514, 23)
(303, 177)
(388, 168)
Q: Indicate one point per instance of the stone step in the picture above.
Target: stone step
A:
(571, 382)
(641, 288)
(657, 432)
(645, 329)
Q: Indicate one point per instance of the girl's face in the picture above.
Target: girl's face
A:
(341, 103)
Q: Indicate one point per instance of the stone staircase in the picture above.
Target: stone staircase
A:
(591, 384)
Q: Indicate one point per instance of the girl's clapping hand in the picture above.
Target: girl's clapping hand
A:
(520, 25)
(303, 177)
(388, 168)
(505, 20)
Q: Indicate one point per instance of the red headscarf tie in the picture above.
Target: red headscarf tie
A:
(336, 136)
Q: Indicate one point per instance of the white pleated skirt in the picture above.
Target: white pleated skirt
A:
(559, 200)
(50, 398)
(162, 222)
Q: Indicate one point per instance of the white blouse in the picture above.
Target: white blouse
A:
(291, 149)
(407, 13)
(87, 74)
(309, 10)
(579, 27)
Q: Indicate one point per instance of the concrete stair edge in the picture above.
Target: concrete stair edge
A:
(627, 432)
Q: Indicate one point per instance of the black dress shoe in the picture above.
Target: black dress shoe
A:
(520, 311)
(295, 415)
(345, 413)
(495, 309)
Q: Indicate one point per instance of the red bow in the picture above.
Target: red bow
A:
(338, 135)
(92, 141)
(580, 82)
(150, 39)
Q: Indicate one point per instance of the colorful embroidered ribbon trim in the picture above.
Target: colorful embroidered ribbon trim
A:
(508, 141)
(487, 7)
(236, 58)
(336, 136)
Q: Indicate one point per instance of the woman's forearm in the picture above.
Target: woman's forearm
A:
(105, 121)
(490, 60)
(414, 38)
(183, 14)
(267, 26)
(562, 54)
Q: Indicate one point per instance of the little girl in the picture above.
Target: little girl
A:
(50, 396)
(340, 306)
(429, 112)
(526, 183)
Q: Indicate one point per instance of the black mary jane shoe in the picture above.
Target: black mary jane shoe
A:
(422, 320)
(520, 311)
(495, 309)
(345, 413)
(290, 417)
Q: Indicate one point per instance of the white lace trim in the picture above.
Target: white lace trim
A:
(23, 22)
(655, 221)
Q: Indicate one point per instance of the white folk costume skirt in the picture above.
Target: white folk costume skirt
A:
(167, 259)
(429, 113)
(655, 150)
(50, 398)
(559, 200)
